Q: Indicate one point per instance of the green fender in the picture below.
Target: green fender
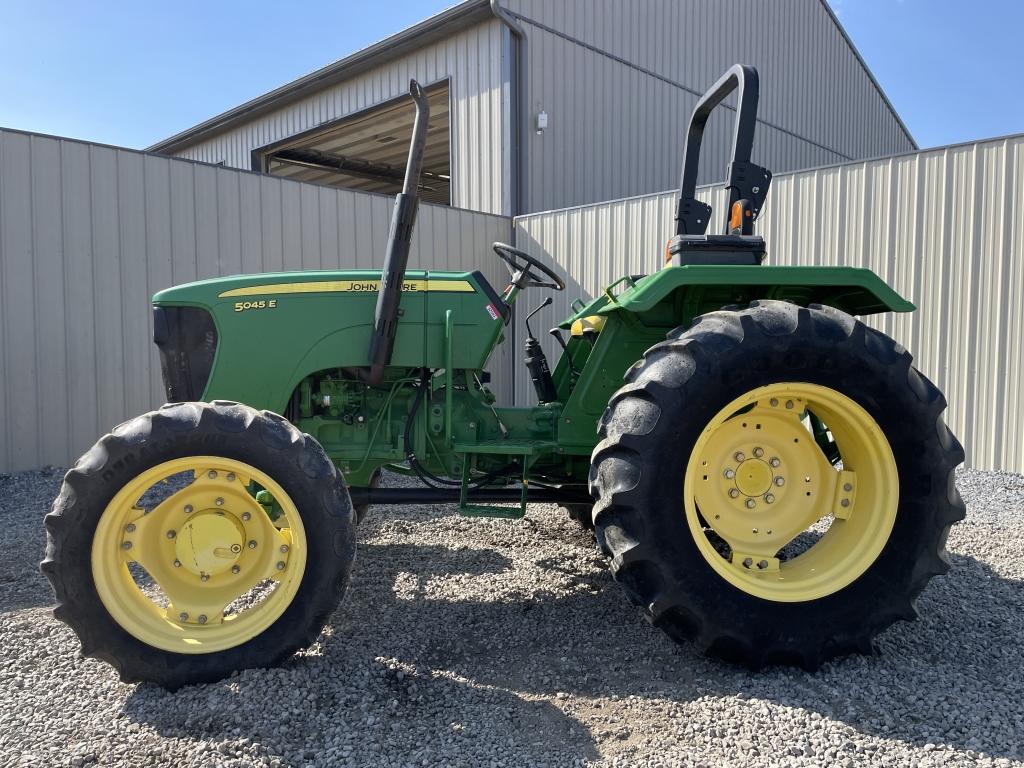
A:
(691, 290)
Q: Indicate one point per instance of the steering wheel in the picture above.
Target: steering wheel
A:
(520, 266)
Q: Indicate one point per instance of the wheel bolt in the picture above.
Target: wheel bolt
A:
(171, 534)
(774, 402)
(204, 577)
(748, 562)
(789, 404)
(847, 487)
(733, 493)
(284, 548)
(280, 565)
(231, 477)
(769, 498)
(188, 509)
(202, 618)
(177, 563)
(252, 544)
(130, 528)
(730, 474)
(246, 516)
(774, 461)
(751, 503)
(762, 564)
(183, 616)
(780, 481)
(219, 502)
(753, 530)
(844, 503)
(758, 452)
(739, 456)
(212, 474)
(126, 545)
(235, 569)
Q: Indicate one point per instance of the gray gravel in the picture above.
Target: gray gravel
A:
(465, 642)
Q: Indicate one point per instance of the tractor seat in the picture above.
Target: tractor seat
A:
(685, 250)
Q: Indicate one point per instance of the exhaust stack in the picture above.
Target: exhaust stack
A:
(389, 296)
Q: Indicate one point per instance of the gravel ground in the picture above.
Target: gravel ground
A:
(468, 642)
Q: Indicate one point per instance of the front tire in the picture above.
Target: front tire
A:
(204, 581)
(692, 518)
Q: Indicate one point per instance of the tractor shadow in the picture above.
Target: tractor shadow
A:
(447, 641)
(952, 677)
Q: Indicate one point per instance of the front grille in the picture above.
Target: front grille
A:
(187, 340)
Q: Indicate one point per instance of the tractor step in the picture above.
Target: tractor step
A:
(480, 510)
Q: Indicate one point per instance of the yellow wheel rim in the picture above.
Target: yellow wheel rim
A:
(205, 546)
(759, 480)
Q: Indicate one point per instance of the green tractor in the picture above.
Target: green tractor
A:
(770, 478)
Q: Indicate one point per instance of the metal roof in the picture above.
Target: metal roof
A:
(440, 25)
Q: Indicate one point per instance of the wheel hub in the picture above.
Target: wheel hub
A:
(754, 477)
(209, 543)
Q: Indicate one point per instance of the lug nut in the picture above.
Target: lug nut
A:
(252, 544)
(231, 477)
(774, 402)
(774, 461)
(789, 404)
(780, 481)
(130, 528)
(847, 487)
(212, 474)
(126, 545)
(762, 564)
(219, 502)
(202, 618)
(730, 474)
(733, 493)
(769, 498)
(758, 452)
(183, 616)
(751, 503)
(748, 562)
(753, 530)
(246, 516)
(739, 456)
(284, 548)
(177, 563)
(280, 565)
(204, 577)
(844, 503)
(188, 509)
(235, 569)
(171, 534)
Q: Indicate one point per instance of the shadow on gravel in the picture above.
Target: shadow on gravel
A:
(399, 659)
(25, 499)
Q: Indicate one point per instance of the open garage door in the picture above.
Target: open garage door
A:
(368, 151)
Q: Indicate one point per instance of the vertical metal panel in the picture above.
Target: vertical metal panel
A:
(615, 130)
(89, 233)
(472, 58)
(944, 227)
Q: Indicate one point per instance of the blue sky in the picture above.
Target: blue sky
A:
(131, 73)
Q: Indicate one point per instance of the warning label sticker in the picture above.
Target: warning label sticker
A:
(493, 312)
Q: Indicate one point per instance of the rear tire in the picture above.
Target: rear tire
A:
(651, 428)
(581, 514)
(259, 439)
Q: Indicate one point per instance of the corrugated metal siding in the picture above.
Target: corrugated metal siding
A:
(473, 59)
(88, 233)
(944, 227)
(616, 131)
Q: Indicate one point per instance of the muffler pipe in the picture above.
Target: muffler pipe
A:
(403, 219)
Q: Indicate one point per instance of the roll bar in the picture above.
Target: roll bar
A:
(746, 181)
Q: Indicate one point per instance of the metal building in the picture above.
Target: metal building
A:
(542, 104)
